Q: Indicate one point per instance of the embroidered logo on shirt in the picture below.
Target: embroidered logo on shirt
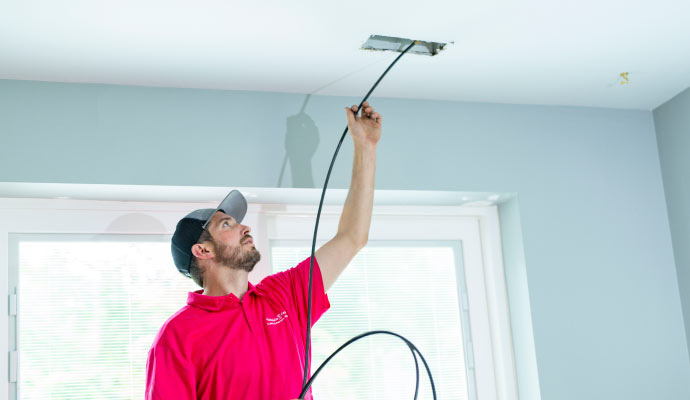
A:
(282, 316)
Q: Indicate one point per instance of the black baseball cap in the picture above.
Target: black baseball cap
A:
(190, 228)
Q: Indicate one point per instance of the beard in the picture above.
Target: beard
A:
(235, 257)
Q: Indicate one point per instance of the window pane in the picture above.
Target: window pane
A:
(89, 310)
(409, 290)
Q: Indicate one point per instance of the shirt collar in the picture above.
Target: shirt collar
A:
(218, 303)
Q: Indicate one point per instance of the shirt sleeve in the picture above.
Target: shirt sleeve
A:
(169, 375)
(293, 286)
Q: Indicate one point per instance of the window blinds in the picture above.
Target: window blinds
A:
(407, 288)
(88, 313)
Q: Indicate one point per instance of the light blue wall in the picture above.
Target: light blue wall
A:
(596, 276)
(672, 121)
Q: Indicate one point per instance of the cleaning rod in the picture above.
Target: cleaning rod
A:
(305, 384)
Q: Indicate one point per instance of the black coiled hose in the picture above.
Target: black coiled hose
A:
(307, 384)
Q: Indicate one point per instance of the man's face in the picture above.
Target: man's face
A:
(233, 244)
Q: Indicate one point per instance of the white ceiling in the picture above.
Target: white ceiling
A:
(526, 52)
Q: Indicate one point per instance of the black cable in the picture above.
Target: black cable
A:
(356, 338)
(416, 367)
(318, 217)
(313, 248)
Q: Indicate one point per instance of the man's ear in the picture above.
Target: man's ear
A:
(202, 251)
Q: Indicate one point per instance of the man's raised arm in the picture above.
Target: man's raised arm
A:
(353, 229)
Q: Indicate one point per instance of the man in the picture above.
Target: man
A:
(235, 340)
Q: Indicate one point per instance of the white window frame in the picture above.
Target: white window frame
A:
(476, 227)
(489, 345)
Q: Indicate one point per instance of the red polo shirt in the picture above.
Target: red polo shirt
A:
(218, 347)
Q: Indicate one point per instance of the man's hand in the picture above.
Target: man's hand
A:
(365, 129)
